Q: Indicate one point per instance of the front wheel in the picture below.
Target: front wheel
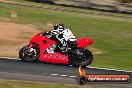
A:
(81, 57)
(29, 55)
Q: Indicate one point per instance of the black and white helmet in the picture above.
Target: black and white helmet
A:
(59, 27)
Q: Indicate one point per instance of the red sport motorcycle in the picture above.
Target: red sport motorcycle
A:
(45, 48)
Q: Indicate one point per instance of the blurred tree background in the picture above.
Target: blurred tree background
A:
(126, 1)
(86, 1)
(44, 1)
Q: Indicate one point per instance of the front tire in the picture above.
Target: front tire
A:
(83, 59)
(26, 58)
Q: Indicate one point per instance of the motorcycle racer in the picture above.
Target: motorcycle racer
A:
(62, 34)
(47, 47)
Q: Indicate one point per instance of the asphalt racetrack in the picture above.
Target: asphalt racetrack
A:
(13, 69)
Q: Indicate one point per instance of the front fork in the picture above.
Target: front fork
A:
(31, 49)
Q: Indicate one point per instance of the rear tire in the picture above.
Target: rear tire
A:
(76, 61)
(25, 58)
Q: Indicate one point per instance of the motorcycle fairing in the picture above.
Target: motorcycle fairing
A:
(83, 42)
(55, 58)
(44, 43)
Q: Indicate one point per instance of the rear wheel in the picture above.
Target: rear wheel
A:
(81, 57)
(29, 55)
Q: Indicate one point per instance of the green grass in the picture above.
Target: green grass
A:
(111, 35)
(21, 84)
(17, 84)
(75, 9)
